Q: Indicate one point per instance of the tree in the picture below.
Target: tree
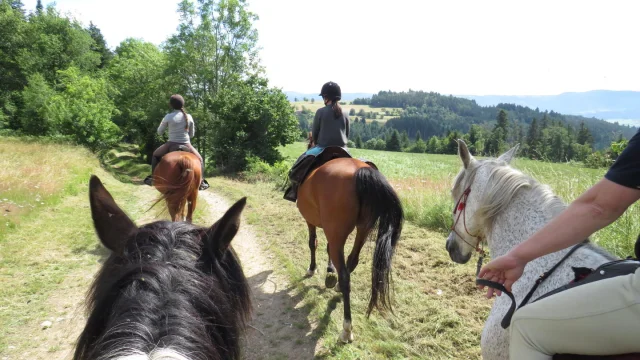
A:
(84, 110)
(352, 112)
(533, 139)
(404, 140)
(418, 147)
(305, 99)
(503, 123)
(433, 145)
(418, 136)
(137, 71)
(495, 145)
(36, 98)
(313, 100)
(393, 144)
(253, 120)
(295, 99)
(584, 135)
(100, 45)
(361, 113)
(39, 7)
(359, 142)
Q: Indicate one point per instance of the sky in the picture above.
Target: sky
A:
(523, 47)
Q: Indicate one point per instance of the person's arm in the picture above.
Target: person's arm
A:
(192, 127)
(315, 128)
(598, 207)
(163, 126)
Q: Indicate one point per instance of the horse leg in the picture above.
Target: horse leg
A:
(331, 279)
(192, 201)
(354, 256)
(313, 244)
(337, 255)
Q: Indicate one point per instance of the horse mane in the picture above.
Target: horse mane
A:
(503, 185)
(166, 295)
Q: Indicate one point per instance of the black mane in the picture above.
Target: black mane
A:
(167, 291)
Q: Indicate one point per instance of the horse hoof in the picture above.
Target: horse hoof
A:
(330, 281)
(346, 337)
(311, 273)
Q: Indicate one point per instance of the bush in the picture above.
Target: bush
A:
(598, 160)
(259, 170)
(418, 147)
(351, 144)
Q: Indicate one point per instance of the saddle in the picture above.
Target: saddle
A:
(307, 163)
(178, 147)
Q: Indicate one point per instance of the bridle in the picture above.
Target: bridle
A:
(460, 210)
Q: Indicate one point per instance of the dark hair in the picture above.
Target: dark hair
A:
(337, 109)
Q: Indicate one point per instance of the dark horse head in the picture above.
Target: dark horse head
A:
(168, 290)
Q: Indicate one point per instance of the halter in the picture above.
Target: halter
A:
(460, 209)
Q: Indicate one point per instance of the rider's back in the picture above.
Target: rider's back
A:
(329, 130)
(176, 123)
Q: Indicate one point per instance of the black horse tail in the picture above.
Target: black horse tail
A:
(381, 207)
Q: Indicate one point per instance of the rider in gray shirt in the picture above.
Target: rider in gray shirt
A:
(330, 125)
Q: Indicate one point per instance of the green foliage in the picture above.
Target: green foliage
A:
(598, 160)
(418, 147)
(358, 143)
(99, 45)
(394, 144)
(352, 112)
(83, 109)
(251, 120)
(36, 98)
(351, 144)
(618, 147)
(503, 123)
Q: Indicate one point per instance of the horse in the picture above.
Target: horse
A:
(502, 207)
(339, 196)
(177, 177)
(169, 290)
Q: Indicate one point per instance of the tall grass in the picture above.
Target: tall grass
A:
(423, 182)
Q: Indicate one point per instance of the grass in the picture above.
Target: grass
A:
(381, 117)
(48, 248)
(427, 324)
(423, 182)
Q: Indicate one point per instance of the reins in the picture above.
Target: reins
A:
(460, 209)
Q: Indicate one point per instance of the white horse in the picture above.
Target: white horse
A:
(503, 207)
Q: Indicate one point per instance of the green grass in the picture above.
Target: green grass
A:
(423, 182)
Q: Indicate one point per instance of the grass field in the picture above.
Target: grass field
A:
(318, 104)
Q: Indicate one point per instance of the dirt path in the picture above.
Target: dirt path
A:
(279, 329)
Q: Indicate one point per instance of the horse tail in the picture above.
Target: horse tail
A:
(381, 207)
(188, 179)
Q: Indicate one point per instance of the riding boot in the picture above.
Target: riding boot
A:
(297, 175)
(204, 185)
(154, 162)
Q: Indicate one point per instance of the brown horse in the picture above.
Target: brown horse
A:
(346, 194)
(177, 177)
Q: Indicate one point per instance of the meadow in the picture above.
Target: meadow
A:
(48, 250)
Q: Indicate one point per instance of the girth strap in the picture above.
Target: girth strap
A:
(506, 320)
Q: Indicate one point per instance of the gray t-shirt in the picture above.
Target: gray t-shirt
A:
(328, 130)
(176, 123)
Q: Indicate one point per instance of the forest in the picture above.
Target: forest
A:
(61, 80)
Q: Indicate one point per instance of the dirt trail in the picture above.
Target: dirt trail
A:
(279, 329)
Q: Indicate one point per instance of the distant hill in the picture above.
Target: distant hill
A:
(292, 95)
(621, 106)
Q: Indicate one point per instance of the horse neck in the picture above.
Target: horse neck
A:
(529, 210)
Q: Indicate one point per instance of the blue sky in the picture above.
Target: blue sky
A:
(523, 47)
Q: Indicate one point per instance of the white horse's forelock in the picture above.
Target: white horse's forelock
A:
(157, 354)
(503, 184)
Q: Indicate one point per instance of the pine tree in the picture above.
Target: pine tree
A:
(533, 138)
(39, 7)
(404, 140)
(418, 135)
(352, 112)
(358, 142)
(100, 45)
(584, 135)
(503, 123)
(545, 122)
(393, 143)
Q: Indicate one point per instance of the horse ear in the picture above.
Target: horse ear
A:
(509, 155)
(111, 223)
(464, 153)
(219, 236)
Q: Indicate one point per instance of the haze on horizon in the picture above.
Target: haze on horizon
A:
(462, 47)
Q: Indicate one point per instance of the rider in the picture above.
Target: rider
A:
(330, 128)
(599, 318)
(181, 129)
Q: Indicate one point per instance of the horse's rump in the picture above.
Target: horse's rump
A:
(177, 177)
